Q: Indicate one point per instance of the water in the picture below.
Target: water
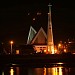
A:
(55, 69)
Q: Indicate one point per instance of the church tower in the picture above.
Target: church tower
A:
(50, 43)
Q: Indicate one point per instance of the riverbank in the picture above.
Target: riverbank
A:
(37, 59)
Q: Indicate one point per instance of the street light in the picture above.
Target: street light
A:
(11, 42)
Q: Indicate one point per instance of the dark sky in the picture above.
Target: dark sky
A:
(15, 21)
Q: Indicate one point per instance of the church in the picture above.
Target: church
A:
(37, 39)
(41, 41)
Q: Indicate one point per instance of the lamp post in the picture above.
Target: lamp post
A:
(11, 42)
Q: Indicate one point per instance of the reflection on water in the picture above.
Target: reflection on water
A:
(11, 71)
(22, 70)
(17, 70)
(2, 73)
(53, 71)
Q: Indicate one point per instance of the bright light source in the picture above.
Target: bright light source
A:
(38, 13)
(55, 50)
(45, 51)
(17, 51)
(33, 18)
(11, 71)
(64, 50)
(52, 51)
(11, 42)
(60, 63)
(59, 45)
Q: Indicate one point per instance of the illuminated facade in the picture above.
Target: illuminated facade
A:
(41, 41)
(50, 43)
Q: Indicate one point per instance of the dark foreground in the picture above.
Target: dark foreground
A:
(38, 59)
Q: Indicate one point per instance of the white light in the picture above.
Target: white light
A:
(33, 18)
(38, 13)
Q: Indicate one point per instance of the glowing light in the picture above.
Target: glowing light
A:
(48, 49)
(69, 42)
(45, 51)
(38, 13)
(11, 71)
(57, 71)
(73, 53)
(54, 71)
(64, 50)
(60, 70)
(33, 18)
(11, 42)
(59, 45)
(44, 71)
(17, 51)
(13, 64)
(52, 50)
(55, 50)
(60, 63)
(2, 73)
(48, 13)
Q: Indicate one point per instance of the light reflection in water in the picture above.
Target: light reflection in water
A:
(60, 70)
(49, 71)
(44, 71)
(60, 63)
(53, 71)
(11, 71)
(39, 71)
(17, 70)
(56, 70)
(2, 73)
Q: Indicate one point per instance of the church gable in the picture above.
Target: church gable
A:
(32, 33)
(40, 37)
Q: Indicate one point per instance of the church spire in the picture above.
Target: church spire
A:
(50, 43)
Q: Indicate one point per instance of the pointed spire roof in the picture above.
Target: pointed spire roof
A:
(40, 37)
(31, 34)
(50, 42)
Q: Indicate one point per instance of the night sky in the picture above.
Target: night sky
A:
(17, 16)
